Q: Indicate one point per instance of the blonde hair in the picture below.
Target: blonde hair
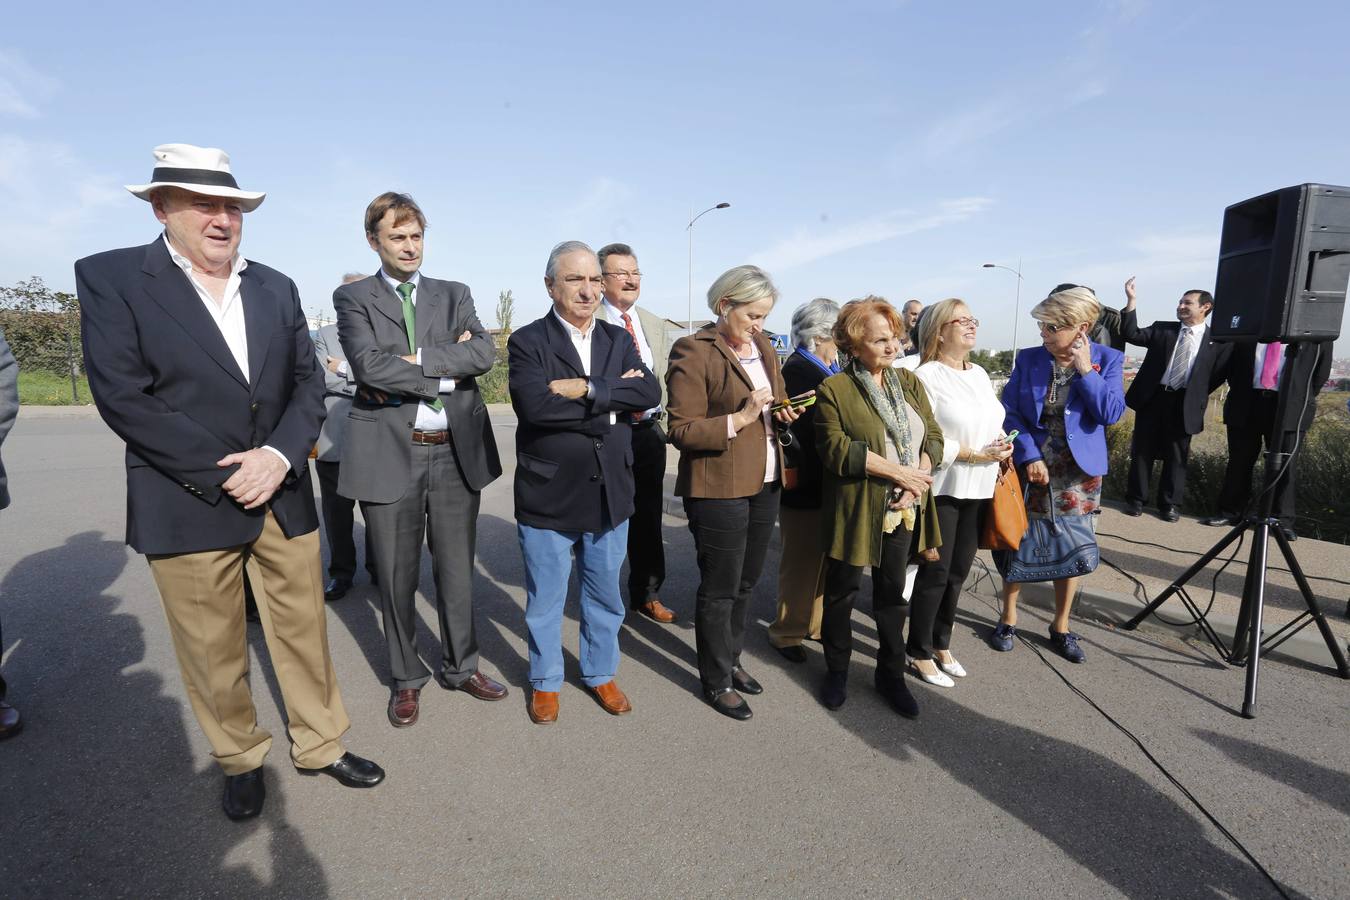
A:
(740, 285)
(1072, 306)
(935, 318)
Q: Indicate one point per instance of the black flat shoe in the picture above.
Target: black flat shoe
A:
(1168, 514)
(337, 589)
(351, 770)
(718, 701)
(1221, 520)
(792, 653)
(741, 681)
(834, 690)
(1133, 508)
(898, 696)
(244, 795)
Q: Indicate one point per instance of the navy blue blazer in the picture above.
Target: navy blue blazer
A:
(166, 383)
(574, 470)
(1160, 338)
(1095, 401)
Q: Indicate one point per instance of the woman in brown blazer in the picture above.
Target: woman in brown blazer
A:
(722, 383)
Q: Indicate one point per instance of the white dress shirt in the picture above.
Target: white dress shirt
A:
(581, 340)
(1198, 335)
(228, 314)
(644, 349)
(969, 413)
(428, 419)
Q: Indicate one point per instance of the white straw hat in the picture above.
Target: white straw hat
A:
(201, 170)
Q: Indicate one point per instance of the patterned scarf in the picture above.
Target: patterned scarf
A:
(889, 404)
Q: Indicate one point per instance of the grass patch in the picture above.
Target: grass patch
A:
(38, 388)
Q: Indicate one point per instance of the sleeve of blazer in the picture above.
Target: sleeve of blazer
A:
(527, 381)
(120, 381)
(332, 381)
(9, 388)
(373, 367)
(687, 401)
(839, 452)
(1024, 445)
(461, 360)
(298, 427)
(626, 394)
(934, 444)
(1103, 392)
(1130, 330)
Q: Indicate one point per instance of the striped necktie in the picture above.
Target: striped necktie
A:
(1181, 360)
(405, 291)
(628, 324)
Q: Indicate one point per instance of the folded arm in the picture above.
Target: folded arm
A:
(374, 368)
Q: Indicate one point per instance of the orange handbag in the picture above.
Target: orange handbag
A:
(1005, 515)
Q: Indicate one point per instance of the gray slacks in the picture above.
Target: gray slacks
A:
(440, 507)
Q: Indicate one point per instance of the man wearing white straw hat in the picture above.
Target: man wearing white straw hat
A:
(201, 362)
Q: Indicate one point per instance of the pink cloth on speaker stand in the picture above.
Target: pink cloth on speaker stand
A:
(1271, 367)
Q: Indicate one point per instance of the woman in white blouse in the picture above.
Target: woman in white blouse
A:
(971, 417)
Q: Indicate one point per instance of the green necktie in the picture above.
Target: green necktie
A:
(405, 291)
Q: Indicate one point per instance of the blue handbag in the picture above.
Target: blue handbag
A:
(1053, 548)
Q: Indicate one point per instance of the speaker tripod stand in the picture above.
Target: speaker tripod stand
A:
(1248, 645)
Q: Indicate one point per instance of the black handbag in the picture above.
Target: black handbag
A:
(1053, 548)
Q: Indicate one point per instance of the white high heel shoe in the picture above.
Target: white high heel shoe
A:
(953, 668)
(937, 678)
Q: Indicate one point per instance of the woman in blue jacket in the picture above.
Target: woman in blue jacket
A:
(1060, 398)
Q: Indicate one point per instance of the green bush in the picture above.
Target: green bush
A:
(51, 389)
(493, 385)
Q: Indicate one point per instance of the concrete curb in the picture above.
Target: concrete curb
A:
(82, 411)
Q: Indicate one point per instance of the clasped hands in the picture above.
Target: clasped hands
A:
(576, 388)
(912, 481)
(259, 475)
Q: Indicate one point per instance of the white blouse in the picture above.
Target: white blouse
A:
(971, 415)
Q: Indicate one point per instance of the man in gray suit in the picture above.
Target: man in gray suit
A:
(621, 285)
(10, 722)
(339, 388)
(419, 447)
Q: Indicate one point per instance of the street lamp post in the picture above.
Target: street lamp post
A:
(1017, 304)
(689, 311)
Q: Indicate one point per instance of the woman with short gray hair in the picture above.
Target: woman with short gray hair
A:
(801, 566)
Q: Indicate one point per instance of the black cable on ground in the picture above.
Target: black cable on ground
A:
(1273, 568)
(1148, 754)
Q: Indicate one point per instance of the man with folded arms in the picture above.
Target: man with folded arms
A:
(572, 378)
(201, 362)
(418, 448)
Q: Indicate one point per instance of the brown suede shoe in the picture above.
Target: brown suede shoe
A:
(657, 611)
(543, 707)
(483, 687)
(403, 705)
(612, 699)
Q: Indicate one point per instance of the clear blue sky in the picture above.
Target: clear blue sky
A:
(867, 147)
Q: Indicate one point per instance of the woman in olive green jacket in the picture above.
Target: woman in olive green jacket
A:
(877, 440)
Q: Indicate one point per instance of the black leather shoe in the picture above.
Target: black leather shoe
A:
(337, 589)
(244, 795)
(1220, 520)
(351, 770)
(792, 653)
(1133, 508)
(723, 701)
(834, 690)
(741, 681)
(898, 696)
(1168, 513)
(1289, 533)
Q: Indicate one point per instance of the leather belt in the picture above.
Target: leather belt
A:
(648, 423)
(430, 437)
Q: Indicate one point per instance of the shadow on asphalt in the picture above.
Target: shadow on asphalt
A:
(124, 796)
(1318, 783)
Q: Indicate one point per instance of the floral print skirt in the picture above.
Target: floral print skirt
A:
(1073, 491)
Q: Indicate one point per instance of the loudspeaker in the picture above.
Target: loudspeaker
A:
(1284, 265)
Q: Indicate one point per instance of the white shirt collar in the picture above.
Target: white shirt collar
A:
(237, 265)
(618, 313)
(573, 330)
(393, 283)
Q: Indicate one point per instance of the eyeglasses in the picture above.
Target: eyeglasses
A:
(1052, 329)
(965, 322)
(636, 276)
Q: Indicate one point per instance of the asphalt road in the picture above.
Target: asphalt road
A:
(1008, 785)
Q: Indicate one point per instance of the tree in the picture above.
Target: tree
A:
(506, 305)
(42, 327)
(997, 364)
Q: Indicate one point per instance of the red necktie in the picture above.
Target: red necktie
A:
(1270, 369)
(628, 325)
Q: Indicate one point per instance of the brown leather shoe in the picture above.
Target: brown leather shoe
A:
(657, 611)
(10, 721)
(543, 707)
(403, 705)
(612, 699)
(483, 687)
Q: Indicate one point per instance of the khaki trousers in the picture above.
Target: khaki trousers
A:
(203, 597)
(801, 578)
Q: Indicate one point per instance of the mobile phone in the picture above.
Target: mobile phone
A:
(1012, 435)
(798, 402)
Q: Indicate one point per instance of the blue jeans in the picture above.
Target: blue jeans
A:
(548, 565)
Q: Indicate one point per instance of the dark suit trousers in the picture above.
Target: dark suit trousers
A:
(1244, 451)
(889, 607)
(646, 553)
(440, 507)
(938, 586)
(731, 538)
(338, 522)
(1159, 434)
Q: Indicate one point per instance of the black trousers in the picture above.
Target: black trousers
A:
(889, 607)
(731, 538)
(338, 522)
(1159, 434)
(938, 586)
(1245, 441)
(646, 553)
